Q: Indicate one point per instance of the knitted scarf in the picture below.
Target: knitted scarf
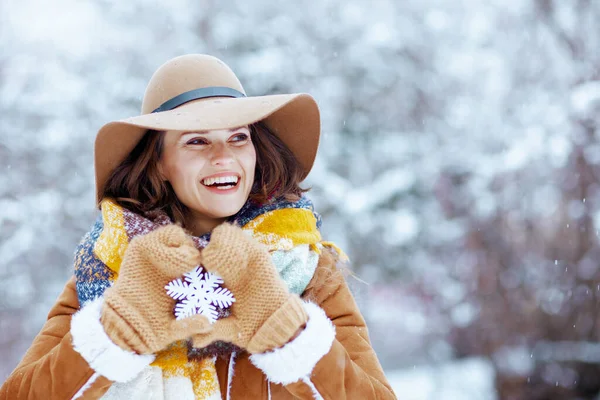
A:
(290, 230)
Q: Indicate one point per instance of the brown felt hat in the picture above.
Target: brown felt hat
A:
(197, 92)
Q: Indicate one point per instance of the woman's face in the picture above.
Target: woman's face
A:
(211, 172)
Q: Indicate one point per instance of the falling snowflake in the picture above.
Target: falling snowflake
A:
(199, 293)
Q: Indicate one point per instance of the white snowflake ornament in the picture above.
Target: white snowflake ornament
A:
(199, 293)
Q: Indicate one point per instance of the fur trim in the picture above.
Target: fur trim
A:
(315, 392)
(94, 345)
(298, 358)
(85, 387)
(230, 373)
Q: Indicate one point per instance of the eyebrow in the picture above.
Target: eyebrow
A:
(205, 132)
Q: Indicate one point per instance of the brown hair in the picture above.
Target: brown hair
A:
(136, 183)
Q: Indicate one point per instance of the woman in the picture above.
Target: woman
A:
(204, 185)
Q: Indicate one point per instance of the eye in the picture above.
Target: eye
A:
(197, 141)
(240, 138)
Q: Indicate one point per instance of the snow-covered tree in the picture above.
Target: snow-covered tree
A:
(458, 165)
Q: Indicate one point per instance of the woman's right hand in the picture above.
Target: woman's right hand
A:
(137, 313)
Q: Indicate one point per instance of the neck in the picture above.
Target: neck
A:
(199, 225)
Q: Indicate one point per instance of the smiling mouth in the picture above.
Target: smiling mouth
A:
(221, 183)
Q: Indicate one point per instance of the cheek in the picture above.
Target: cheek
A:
(178, 176)
(250, 160)
(181, 171)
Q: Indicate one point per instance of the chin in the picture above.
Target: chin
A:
(224, 212)
(218, 208)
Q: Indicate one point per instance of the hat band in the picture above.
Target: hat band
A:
(203, 93)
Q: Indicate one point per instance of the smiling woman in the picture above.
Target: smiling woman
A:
(141, 183)
(204, 185)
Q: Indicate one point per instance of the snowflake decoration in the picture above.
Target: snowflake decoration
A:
(199, 293)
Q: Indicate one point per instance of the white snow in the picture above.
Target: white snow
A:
(434, 125)
(469, 379)
(586, 97)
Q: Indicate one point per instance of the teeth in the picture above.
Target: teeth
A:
(221, 179)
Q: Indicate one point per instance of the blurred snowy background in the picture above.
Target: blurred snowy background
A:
(459, 166)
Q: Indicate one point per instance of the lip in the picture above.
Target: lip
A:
(222, 191)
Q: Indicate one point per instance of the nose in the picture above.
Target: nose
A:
(221, 155)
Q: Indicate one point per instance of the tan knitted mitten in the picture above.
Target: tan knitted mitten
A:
(137, 313)
(265, 315)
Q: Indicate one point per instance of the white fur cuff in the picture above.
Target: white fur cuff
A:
(105, 357)
(298, 358)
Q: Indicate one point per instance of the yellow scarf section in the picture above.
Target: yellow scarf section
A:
(280, 229)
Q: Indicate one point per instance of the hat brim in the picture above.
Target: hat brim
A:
(294, 118)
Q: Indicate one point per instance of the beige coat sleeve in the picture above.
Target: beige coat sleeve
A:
(332, 358)
(51, 368)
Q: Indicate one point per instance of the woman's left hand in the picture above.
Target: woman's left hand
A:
(265, 314)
